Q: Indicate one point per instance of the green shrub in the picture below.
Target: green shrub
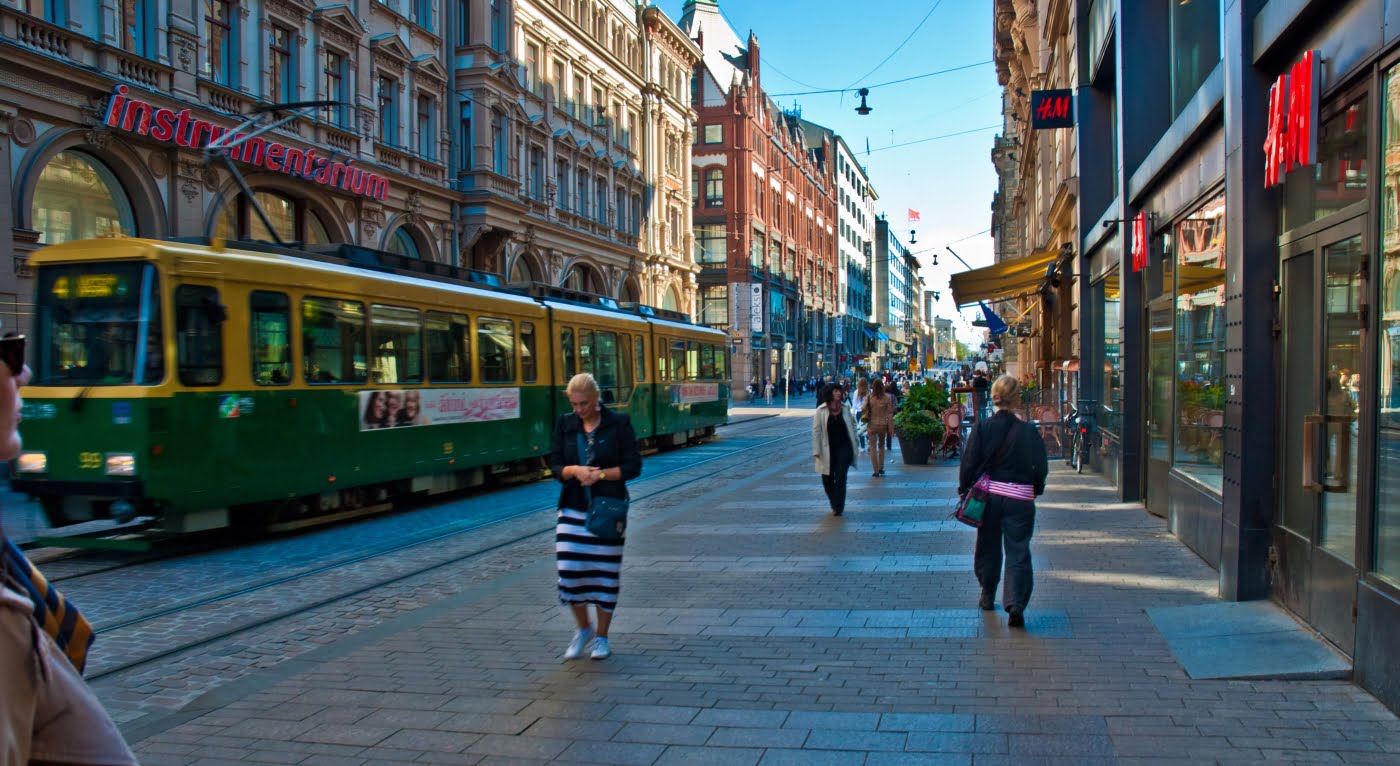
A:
(929, 396)
(912, 423)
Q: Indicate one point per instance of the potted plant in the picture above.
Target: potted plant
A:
(917, 431)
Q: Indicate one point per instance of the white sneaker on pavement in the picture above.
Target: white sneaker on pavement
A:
(581, 638)
(601, 650)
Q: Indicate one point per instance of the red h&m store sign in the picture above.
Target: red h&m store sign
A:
(1139, 251)
(179, 128)
(1292, 135)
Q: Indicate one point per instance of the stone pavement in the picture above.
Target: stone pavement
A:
(755, 627)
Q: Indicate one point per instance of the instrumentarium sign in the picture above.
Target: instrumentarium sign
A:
(179, 128)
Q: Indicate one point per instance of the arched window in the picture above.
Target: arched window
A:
(78, 197)
(290, 218)
(671, 302)
(583, 279)
(630, 293)
(520, 273)
(401, 242)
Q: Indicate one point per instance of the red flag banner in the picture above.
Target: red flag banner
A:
(913, 215)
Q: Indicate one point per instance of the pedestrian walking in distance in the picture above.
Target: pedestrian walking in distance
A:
(1012, 454)
(858, 408)
(879, 417)
(588, 566)
(834, 444)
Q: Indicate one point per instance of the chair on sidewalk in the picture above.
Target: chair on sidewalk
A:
(952, 432)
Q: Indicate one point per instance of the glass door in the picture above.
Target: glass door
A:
(1321, 352)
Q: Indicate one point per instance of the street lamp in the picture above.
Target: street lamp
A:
(863, 109)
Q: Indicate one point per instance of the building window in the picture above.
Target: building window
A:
(334, 73)
(533, 75)
(498, 26)
(536, 173)
(576, 108)
(673, 224)
(426, 112)
(560, 85)
(1386, 532)
(1111, 302)
(138, 26)
(1340, 176)
(561, 184)
(714, 134)
(636, 215)
(581, 199)
(78, 197)
(711, 243)
(290, 218)
(600, 200)
(402, 242)
(220, 42)
(463, 27)
(620, 201)
(756, 251)
(423, 13)
(714, 187)
(284, 73)
(1195, 41)
(499, 137)
(388, 111)
(714, 306)
(1199, 245)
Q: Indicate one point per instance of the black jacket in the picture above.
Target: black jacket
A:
(614, 446)
(1025, 461)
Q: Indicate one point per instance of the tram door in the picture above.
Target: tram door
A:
(1323, 288)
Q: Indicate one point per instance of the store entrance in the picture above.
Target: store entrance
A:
(1323, 288)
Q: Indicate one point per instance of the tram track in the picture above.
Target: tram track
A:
(197, 546)
(436, 535)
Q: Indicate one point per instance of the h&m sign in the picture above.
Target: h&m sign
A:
(1291, 139)
(1052, 109)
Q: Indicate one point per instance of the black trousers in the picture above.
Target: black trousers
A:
(1007, 523)
(835, 482)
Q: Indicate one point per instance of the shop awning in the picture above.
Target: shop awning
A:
(1193, 279)
(1003, 281)
(881, 335)
(869, 333)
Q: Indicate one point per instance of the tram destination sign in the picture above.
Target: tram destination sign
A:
(180, 128)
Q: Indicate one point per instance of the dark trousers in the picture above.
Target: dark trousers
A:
(835, 482)
(1006, 523)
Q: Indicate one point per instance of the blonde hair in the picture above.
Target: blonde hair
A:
(1006, 392)
(862, 386)
(583, 383)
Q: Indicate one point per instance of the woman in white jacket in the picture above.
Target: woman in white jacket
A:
(834, 444)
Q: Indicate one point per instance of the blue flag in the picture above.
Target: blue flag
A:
(994, 324)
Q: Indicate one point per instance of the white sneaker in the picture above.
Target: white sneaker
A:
(601, 650)
(580, 642)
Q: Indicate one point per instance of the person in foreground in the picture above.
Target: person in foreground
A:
(48, 714)
(1013, 456)
(588, 566)
(834, 444)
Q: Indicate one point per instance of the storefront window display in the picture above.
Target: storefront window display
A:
(1199, 244)
(1108, 296)
(78, 197)
(1387, 523)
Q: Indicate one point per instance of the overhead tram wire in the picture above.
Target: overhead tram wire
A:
(883, 84)
(766, 62)
(900, 47)
(932, 138)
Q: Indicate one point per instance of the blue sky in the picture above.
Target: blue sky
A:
(833, 44)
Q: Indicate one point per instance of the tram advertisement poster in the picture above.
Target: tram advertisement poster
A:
(689, 393)
(397, 408)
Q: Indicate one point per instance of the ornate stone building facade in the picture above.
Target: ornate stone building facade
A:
(105, 108)
(572, 119)
(1034, 213)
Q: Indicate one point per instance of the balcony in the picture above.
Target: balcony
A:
(38, 35)
(489, 182)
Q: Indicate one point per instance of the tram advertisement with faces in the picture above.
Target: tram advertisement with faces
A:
(395, 408)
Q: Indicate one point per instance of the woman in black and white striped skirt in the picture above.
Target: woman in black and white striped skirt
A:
(589, 567)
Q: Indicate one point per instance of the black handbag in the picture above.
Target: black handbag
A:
(607, 516)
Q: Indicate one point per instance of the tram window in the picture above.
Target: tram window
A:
(199, 336)
(566, 344)
(641, 356)
(528, 368)
(333, 341)
(89, 323)
(721, 363)
(495, 344)
(605, 362)
(662, 360)
(692, 357)
(624, 364)
(449, 347)
(678, 367)
(707, 361)
(271, 315)
(396, 345)
(585, 352)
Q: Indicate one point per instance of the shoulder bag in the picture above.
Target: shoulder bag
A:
(607, 516)
(974, 502)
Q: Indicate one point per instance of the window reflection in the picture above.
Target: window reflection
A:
(77, 197)
(1199, 242)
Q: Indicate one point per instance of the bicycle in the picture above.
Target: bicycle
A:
(1079, 426)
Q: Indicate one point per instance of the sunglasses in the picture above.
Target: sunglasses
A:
(12, 354)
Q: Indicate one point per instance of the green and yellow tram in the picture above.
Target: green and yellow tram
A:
(209, 385)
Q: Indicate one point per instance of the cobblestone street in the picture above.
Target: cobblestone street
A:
(755, 627)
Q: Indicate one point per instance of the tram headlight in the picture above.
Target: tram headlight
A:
(32, 462)
(121, 464)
